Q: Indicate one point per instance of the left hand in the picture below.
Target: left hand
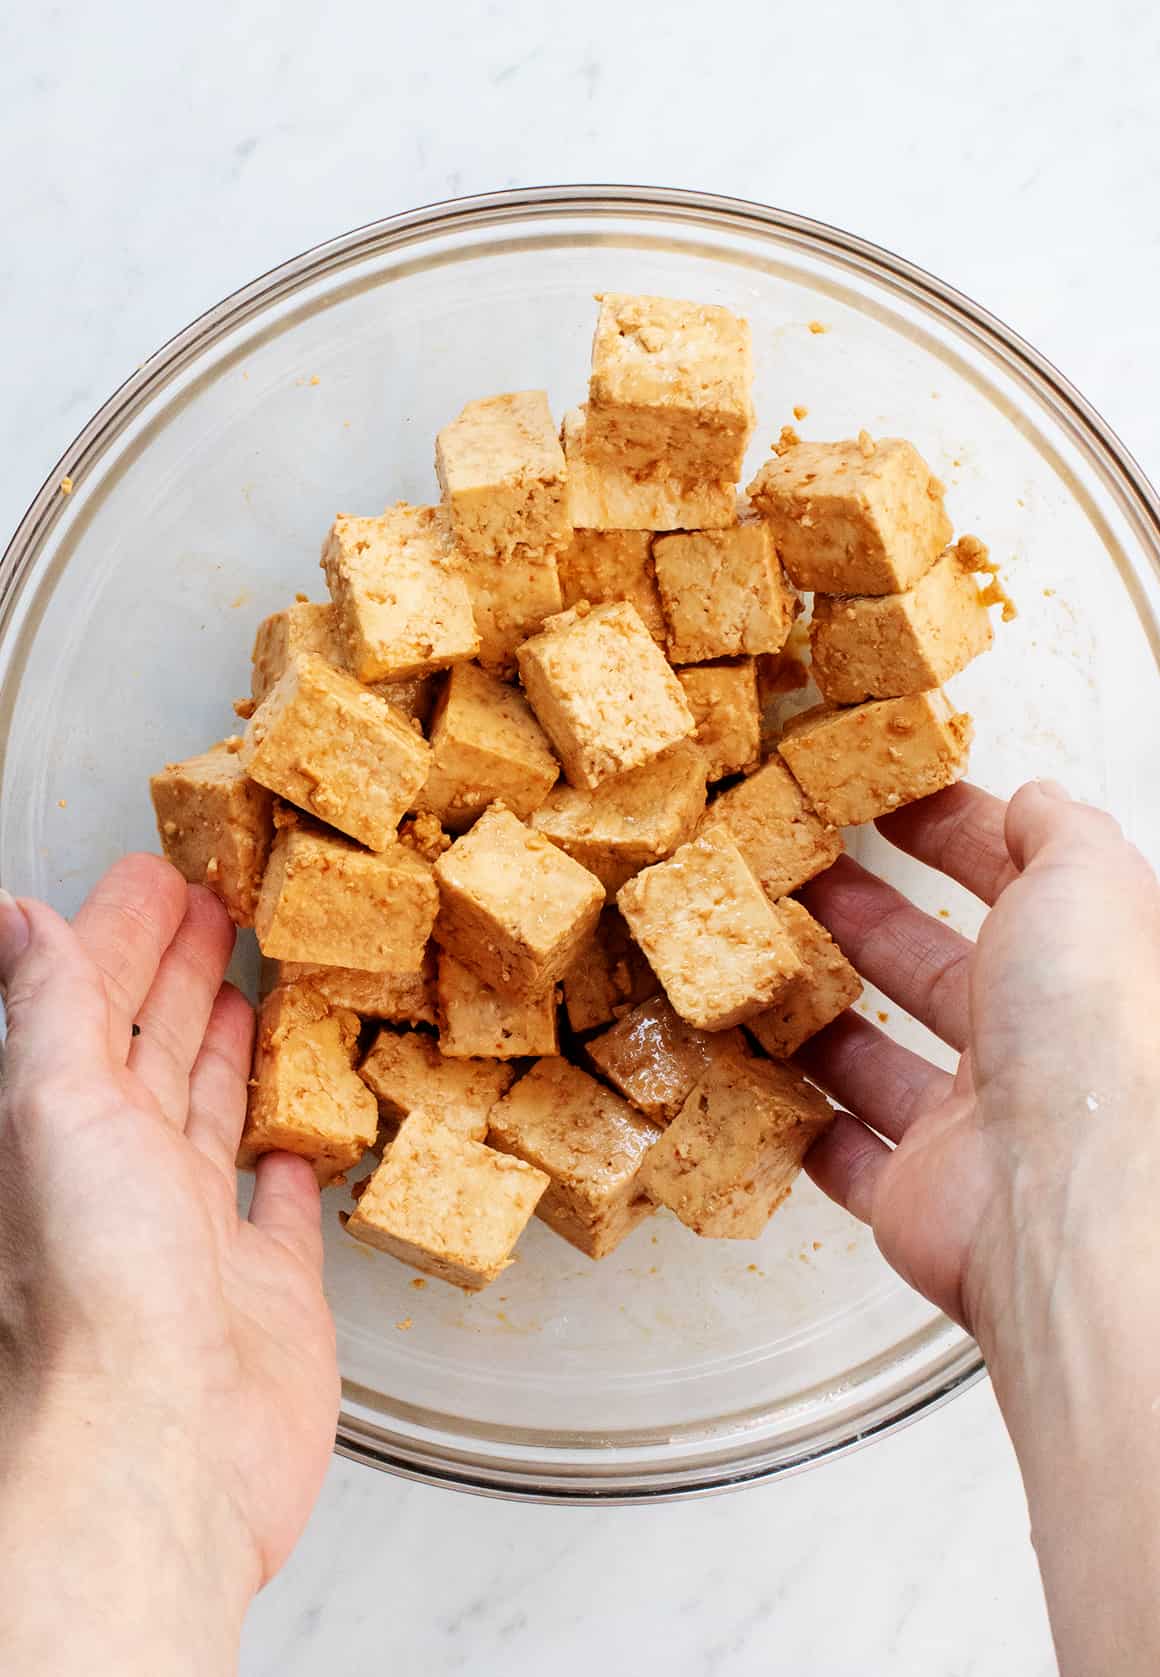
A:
(179, 1357)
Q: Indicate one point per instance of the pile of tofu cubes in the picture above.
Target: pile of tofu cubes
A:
(502, 824)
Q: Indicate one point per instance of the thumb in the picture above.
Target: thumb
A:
(54, 1000)
(1042, 818)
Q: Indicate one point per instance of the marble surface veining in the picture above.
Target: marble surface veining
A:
(151, 160)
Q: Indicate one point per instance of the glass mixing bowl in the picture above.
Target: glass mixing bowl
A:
(202, 491)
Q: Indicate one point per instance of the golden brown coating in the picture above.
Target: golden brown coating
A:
(216, 826)
(501, 470)
(602, 691)
(631, 820)
(857, 764)
(285, 635)
(730, 1156)
(511, 595)
(327, 902)
(670, 385)
(653, 1057)
(853, 517)
(780, 835)
(724, 593)
(307, 627)
(445, 1204)
(486, 745)
(604, 495)
(710, 933)
(513, 907)
(476, 1020)
(402, 998)
(825, 987)
(723, 700)
(406, 1073)
(305, 1095)
(324, 742)
(884, 646)
(402, 609)
(591, 1144)
(608, 976)
(601, 565)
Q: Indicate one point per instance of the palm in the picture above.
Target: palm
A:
(225, 1316)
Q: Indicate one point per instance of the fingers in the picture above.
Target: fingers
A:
(884, 1084)
(287, 1206)
(58, 1016)
(959, 831)
(125, 925)
(1041, 815)
(173, 1017)
(219, 1078)
(846, 1162)
(914, 959)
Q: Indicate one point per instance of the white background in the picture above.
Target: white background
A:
(153, 158)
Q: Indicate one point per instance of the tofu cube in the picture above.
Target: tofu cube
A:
(216, 826)
(602, 565)
(826, 987)
(513, 908)
(486, 745)
(510, 597)
(602, 691)
(670, 385)
(780, 835)
(854, 765)
(730, 1156)
(323, 742)
(502, 473)
(305, 1095)
(413, 697)
(326, 902)
(402, 609)
(404, 998)
(286, 635)
(608, 976)
(406, 1073)
(724, 593)
(853, 517)
(591, 1145)
(883, 646)
(709, 933)
(446, 1205)
(653, 1058)
(307, 627)
(723, 700)
(630, 820)
(606, 495)
(475, 1020)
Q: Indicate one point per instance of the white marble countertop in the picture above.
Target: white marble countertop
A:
(150, 163)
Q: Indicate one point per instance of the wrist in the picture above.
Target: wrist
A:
(114, 1533)
(1062, 1289)
(1075, 1365)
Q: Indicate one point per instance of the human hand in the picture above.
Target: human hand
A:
(1054, 1013)
(176, 1357)
(1020, 1196)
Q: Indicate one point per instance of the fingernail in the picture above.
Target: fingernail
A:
(1052, 789)
(14, 932)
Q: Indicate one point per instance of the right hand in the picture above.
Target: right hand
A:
(1001, 1173)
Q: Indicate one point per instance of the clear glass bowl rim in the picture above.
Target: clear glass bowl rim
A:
(1138, 500)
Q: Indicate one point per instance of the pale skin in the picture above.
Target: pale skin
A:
(168, 1388)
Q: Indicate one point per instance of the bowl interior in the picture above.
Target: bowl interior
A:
(202, 495)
